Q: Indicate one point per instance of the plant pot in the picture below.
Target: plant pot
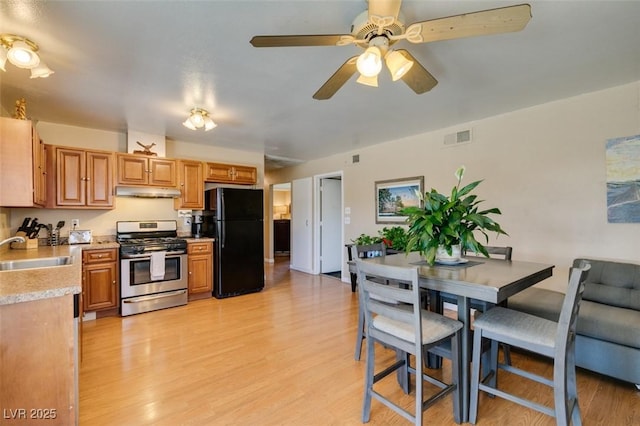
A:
(456, 254)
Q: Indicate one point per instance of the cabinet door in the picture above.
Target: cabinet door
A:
(200, 273)
(162, 172)
(217, 172)
(132, 169)
(245, 174)
(99, 286)
(39, 170)
(16, 163)
(70, 177)
(99, 181)
(191, 186)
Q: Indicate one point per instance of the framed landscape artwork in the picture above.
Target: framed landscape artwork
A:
(394, 195)
(623, 179)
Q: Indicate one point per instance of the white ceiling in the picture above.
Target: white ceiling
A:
(143, 65)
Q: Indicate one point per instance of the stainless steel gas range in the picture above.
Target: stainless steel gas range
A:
(153, 266)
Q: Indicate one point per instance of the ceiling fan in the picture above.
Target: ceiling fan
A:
(382, 25)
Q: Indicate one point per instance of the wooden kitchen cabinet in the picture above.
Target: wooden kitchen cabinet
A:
(141, 170)
(229, 173)
(200, 267)
(39, 362)
(83, 178)
(22, 165)
(100, 279)
(191, 185)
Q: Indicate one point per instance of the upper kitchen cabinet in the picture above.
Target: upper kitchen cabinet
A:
(141, 170)
(228, 173)
(191, 185)
(22, 165)
(83, 178)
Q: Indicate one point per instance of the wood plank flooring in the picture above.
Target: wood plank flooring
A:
(280, 357)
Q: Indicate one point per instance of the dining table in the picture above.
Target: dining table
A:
(470, 279)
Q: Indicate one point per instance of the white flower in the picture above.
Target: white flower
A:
(460, 173)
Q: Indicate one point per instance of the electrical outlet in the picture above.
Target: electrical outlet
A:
(75, 223)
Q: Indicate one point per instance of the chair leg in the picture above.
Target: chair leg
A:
(368, 382)
(455, 376)
(360, 336)
(419, 387)
(354, 282)
(475, 376)
(507, 353)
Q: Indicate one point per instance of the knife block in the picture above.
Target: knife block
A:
(31, 243)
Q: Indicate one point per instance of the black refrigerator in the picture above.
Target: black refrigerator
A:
(234, 217)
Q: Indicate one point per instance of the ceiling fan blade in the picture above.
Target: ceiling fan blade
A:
(384, 8)
(297, 40)
(492, 21)
(337, 80)
(417, 78)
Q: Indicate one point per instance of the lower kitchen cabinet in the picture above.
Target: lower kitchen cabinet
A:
(100, 279)
(39, 363)
(200, 267)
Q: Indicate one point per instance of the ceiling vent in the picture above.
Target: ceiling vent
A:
(461, 137)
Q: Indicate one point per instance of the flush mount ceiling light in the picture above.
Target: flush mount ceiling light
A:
(23, 53)
(198, 119)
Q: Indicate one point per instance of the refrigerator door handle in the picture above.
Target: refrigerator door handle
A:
(223, 225)
(222, 210)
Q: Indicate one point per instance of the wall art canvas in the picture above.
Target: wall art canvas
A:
(394, 195)
(623, 179)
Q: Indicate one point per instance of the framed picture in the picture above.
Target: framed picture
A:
(396, 194)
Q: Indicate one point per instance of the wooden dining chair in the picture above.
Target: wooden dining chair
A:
(365, 252)
(555, 340)
(390, 298)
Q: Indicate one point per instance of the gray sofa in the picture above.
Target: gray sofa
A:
(608, 329)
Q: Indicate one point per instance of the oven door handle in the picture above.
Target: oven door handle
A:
(148, 256)
(154, 296)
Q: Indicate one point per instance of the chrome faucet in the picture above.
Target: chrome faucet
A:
(13, 240)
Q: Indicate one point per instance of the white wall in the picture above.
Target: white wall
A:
(544, 167)
(103, 222)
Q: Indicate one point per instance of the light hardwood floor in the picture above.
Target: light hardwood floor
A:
(280, 357)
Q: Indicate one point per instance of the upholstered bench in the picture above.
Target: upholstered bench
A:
(608, 328)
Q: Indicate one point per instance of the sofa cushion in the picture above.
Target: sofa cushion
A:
(613, 283)
(597, 320)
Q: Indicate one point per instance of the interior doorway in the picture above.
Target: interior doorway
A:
(281, 220)
(329, 259)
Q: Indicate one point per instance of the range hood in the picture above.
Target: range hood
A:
(147, 192)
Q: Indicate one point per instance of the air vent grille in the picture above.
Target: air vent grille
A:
(461, 137)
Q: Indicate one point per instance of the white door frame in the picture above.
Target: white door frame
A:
(316, 218)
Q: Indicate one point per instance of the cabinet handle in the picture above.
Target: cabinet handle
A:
(114, 282)
(190, 272)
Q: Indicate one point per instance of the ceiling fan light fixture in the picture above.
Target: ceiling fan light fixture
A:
(369, 64)
(398, 65)
(368, 81)
(198, 119)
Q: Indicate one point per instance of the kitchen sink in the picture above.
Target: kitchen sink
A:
(11, 265)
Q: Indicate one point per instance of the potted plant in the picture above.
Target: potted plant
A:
(395, 238)
(445, 225)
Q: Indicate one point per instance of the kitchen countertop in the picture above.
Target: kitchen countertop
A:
(25, 285)
(199, 240)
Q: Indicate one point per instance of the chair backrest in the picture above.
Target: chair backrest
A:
(371, 250)
(398, 300)
(497, 252)
(502, 252)
(565, 335)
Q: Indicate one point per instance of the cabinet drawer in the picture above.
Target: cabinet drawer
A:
(199, 248)
(99, 256)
